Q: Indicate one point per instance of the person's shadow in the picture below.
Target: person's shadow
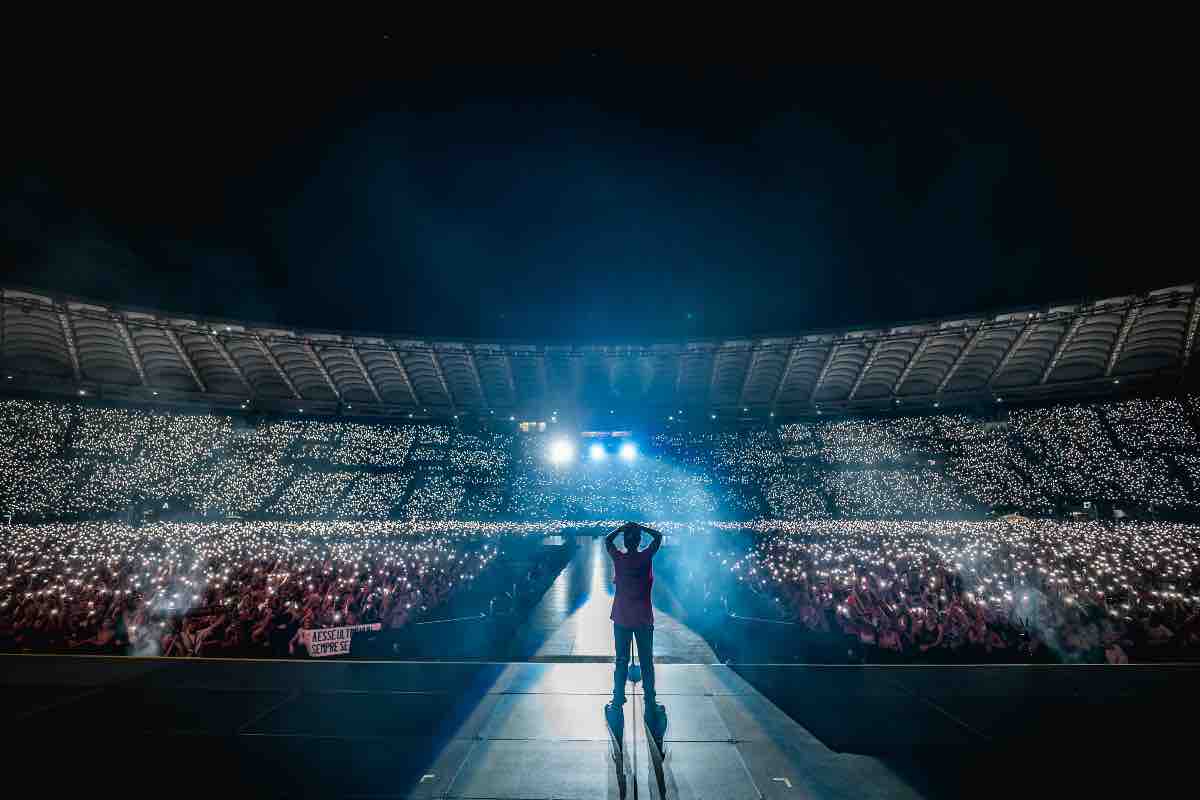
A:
(614, 721)
(654, 719)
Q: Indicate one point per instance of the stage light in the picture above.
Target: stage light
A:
(561, 451)
(596, 452)
(628, 451)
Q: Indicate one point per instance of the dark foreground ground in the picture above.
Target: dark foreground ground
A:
(121, 727)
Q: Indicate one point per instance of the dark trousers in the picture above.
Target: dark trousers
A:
(645, 645)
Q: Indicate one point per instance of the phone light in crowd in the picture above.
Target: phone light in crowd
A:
(628, 451)
(596, 452)
(561, 451)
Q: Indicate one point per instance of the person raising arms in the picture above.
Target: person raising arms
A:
(632, 614)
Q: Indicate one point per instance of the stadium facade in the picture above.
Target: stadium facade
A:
(57, 345)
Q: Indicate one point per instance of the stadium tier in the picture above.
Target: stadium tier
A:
(63, 345)
(71, 461)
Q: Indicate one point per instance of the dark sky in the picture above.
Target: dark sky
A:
(344, 183)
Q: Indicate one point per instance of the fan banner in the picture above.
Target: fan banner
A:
(332, 641)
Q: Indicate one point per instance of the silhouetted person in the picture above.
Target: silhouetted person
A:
(632, 614)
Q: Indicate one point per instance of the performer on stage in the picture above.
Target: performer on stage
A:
(632, 615)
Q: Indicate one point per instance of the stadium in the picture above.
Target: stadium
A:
(309, 477)
(952, 556)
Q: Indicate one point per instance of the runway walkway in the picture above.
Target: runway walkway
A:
(571, 623)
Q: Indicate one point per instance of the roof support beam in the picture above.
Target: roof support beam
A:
(441, 376)
(508, 373)
(1017, 344)
(320, 365)
(173, 338)
(784, 374)
(1063, 344)
(483, 398)
(1190, 340)
(68, 332)
(967, 349)
(812, 395)
(750, 365)
(712, 374)
(868, 362)
(408, 384)
(131, 348)
(266, 351)
(219, 346)
(358, 362)
(912, 362)
(1131, 317)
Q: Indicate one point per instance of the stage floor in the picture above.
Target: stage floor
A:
(412, 730)
(107, 726)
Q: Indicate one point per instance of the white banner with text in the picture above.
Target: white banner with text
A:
(332, 641)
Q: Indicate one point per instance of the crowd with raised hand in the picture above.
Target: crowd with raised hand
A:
(227, 588)
(1017, 589)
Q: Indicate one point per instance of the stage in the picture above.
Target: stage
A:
(524, 719)
(536, 730)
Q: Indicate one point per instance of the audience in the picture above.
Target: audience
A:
(220, 588)
(1015, 589)
(204, 533)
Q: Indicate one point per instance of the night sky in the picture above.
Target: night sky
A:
(592, 196)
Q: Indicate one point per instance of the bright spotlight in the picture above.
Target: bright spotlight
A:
(596, 452)
(628, 451)
(561, 451)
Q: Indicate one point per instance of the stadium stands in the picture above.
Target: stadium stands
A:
(74, 461)
(158, 531)
(977, 591)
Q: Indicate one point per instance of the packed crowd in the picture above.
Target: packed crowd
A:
(69, 462)
(221, 588)
(1014, 589)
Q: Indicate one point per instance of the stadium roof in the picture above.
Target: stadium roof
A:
(61, 345)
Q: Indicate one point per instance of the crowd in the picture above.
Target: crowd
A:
(1015, 589)
(222, 588)
(70, 462)
(868, 528)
